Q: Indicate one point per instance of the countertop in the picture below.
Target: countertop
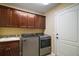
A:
(9, 39)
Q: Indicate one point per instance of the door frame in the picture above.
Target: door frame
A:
(57, 13)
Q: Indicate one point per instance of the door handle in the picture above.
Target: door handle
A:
(56, 37)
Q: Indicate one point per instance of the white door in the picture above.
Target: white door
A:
(67, 32)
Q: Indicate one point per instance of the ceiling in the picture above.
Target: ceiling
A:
(36, 7)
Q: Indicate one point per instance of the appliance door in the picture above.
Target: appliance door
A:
(45, 51)
(45, 42)
(31, 46)
(45, 46)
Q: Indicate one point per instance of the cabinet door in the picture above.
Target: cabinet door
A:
(4, 16)
(42, 21)
(12, 48)
(39, 22)
(9, 21)
(23, 20)
(0, 18)
(12, 51)
(15, 17)
(31, 18)
(1, 51)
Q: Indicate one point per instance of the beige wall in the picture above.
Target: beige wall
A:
(16, 31)
(50, 17)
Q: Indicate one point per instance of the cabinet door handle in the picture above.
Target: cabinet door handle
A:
(8, 48)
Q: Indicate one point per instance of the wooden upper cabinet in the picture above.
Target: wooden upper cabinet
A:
(40, 22)
(10, 21)
(15, 17)
(19, 18)
(5, 16)
(31, 18)
(42, 19)
(10, 17)
(37, 21)
(0, 18)
(23, 20)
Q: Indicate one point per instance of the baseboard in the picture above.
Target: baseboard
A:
(52, 54)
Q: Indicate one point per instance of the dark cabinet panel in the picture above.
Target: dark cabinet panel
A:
(0, 18)
(19, 18)
(10, 21)
(1, 51)
(15, 17)
(42, 20)
(39, 22)
(5, 15)
(10, 48)
(23, 20)
(31, 18)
